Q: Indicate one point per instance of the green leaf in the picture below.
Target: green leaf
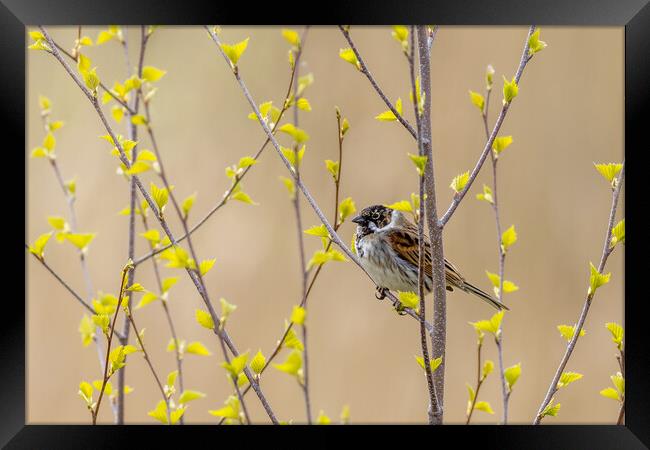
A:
(568, 331)
(298, 315)
(388, 115)
(49, 142)
(484, 406)
(534, 44)
(236, 365)
(420, 162)
(258, 362)
(490, 326)
(323, 419)
(318, 230)
(204, 319)
(500, 144)
(617, 333)
(243, 197)
(147, 298)
(292, 365)
(596, 279)
(488, 367)
(80, 240)
(136, 287)
(346, 209)
(58, 223)
(291, 37)
(299, 135)
(609, 171)
(345, 415)
(86, 392)
(401, 33)
(188, 395)
(619, 383)
(459, 182)
(87, 330)
(402, 205)
(409, 300)
(508, 238)
(477, 100)
(246, 161)
(235, 51)
(152, 74)
(160, 196)
(226, 309)
(291, 187)
(160, 412)
(512, 374)
(567, 378)
(322, 257)
(152, 236)
(206, 265)
(230, 411)
(611, 393)
(167, 283)
(303, 104)
(618, 234)
(551, 409)
(347, 54)
(510, 90)
(333, 168)
(102, 321)
(197, 348)
(292, 341)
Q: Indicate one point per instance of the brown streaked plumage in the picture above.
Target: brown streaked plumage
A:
(387, 245)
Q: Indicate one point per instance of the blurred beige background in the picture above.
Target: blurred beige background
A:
(569, 114)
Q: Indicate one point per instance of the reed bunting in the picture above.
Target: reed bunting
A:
(387, 245)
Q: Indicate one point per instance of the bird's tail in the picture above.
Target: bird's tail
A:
(470, 288)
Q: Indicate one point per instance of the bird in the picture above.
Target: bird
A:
(387, 246)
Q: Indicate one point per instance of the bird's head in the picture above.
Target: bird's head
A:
(374, 217)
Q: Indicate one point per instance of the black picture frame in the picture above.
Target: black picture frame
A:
(634, 15)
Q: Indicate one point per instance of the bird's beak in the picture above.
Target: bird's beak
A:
(358, 220)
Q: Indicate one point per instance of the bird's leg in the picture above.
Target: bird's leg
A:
(380, 293)
(400, 309)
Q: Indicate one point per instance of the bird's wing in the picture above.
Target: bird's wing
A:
(404, 240)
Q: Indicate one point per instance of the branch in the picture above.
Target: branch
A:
(192, 274)
(335, 237)
(129, 316)
(435, 233)
(607, 250)
(226, 196)
(106, 375)
(505, 395)
(488, 145)
(479, 382)
(366, 72)
(434, 406)
(301, 243)
(132, 133)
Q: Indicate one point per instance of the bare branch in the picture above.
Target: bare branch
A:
(366, 72)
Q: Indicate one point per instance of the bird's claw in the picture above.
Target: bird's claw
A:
(380, 293)
(401, 309)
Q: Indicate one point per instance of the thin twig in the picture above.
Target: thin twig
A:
(498, 339)
(129, 316)
(366, 72)
(163, 223)
(106, 375)
(607, 250)
(479, 382)
(488, 145)
(301, 243)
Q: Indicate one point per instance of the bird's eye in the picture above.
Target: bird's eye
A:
(375, 215)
